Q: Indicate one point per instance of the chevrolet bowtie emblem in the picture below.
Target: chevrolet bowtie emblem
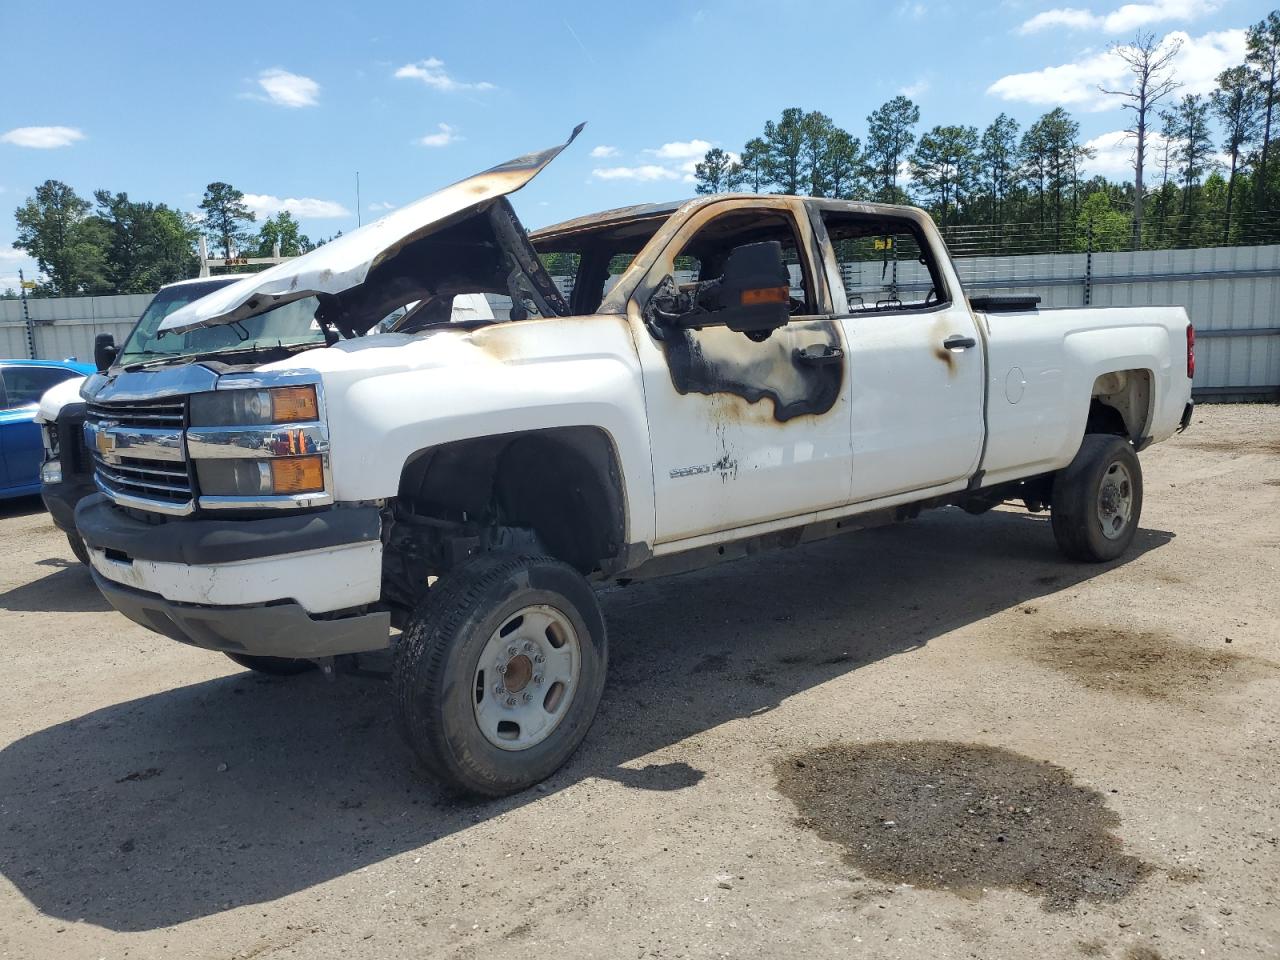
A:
(106, 442)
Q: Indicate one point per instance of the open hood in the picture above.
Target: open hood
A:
(334, 271)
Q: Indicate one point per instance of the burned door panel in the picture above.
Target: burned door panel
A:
(798, 370)
(744, 431)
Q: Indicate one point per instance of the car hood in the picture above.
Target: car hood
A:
(344, 263)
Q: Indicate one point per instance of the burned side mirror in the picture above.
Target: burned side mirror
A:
(104, 351)
(752, 297)
(755, 291)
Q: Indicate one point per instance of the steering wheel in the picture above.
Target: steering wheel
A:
(931, 296)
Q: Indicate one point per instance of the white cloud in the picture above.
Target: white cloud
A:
(677, 160)
(1196, 66)
(432, 72)
(1123, 19)
(916, 11)
(264, 204)
(11, 261)
(913, 90)
(603, 151)
(1114, 155)
(444, 136)
(644, 173)
(381, 205)
(681, 150)
(287, 89)
(42, 138)
(1068, 17)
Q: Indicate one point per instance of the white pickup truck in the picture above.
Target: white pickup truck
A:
(715, 377)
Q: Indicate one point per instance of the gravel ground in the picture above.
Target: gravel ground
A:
(938, 740)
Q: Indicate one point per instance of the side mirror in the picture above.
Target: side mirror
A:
(104, 351)
(755, 292)
(753, 297)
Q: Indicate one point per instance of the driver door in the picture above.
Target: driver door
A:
(744, 432)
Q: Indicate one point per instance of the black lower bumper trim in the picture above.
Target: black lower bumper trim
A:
(277, 630)
(60, 500)
(106, 526)
(1187, 411)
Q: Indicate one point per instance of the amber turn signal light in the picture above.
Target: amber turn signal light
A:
(290, 404)
(297, 475)
(751, 298)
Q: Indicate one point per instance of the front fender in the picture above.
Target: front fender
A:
(389, 398)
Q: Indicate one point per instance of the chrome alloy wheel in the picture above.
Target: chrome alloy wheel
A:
(1115, 500)
(526, 677)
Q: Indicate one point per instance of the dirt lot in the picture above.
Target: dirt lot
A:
(939, 740)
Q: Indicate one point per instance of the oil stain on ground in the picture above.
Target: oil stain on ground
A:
(1144, 664)
(962, 817)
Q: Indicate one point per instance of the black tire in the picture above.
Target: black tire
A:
(76, 543)
(273, 666)
(434, 672)
(1080, 501)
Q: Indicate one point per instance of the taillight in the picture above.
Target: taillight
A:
(1191, 351)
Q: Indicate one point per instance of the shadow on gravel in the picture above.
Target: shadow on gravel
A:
(127, 817)
(21, 506)
(69, 590)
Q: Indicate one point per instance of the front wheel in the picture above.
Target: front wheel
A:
(498, 676)
(76, 543)
(1097, 500)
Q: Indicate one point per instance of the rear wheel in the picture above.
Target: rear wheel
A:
(273, 666)
(1097, 500)
(498, 676)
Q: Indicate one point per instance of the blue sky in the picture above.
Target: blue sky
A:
(288, 100)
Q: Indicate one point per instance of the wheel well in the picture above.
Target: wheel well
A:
(1120, 403)
(564, 484)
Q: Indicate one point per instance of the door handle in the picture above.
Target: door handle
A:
(959, 342)
(819, 354)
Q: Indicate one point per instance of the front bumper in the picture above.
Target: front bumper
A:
(278, 630)
(275, 587)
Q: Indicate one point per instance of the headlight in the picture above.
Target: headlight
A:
(278, 477)
(248, 408)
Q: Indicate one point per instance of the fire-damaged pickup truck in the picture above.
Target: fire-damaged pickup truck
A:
(706, 379)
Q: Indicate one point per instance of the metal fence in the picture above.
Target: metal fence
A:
(1232, 294)
(64, 327)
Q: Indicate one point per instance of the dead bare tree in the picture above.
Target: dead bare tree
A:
(1148, 60)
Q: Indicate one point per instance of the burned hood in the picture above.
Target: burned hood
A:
(343, 264)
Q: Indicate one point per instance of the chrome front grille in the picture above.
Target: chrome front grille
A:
(146, 478)
(169, 412)
(139, 458)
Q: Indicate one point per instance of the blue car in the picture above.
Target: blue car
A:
(22, 383)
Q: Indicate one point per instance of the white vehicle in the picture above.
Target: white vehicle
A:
(709, 387)
(66, 475)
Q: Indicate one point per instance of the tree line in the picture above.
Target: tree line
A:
(112, 244)
(1005, 188)
(1002, 189)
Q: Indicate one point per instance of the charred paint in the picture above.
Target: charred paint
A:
(496, 343)
(718, 361)
(940, 329)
